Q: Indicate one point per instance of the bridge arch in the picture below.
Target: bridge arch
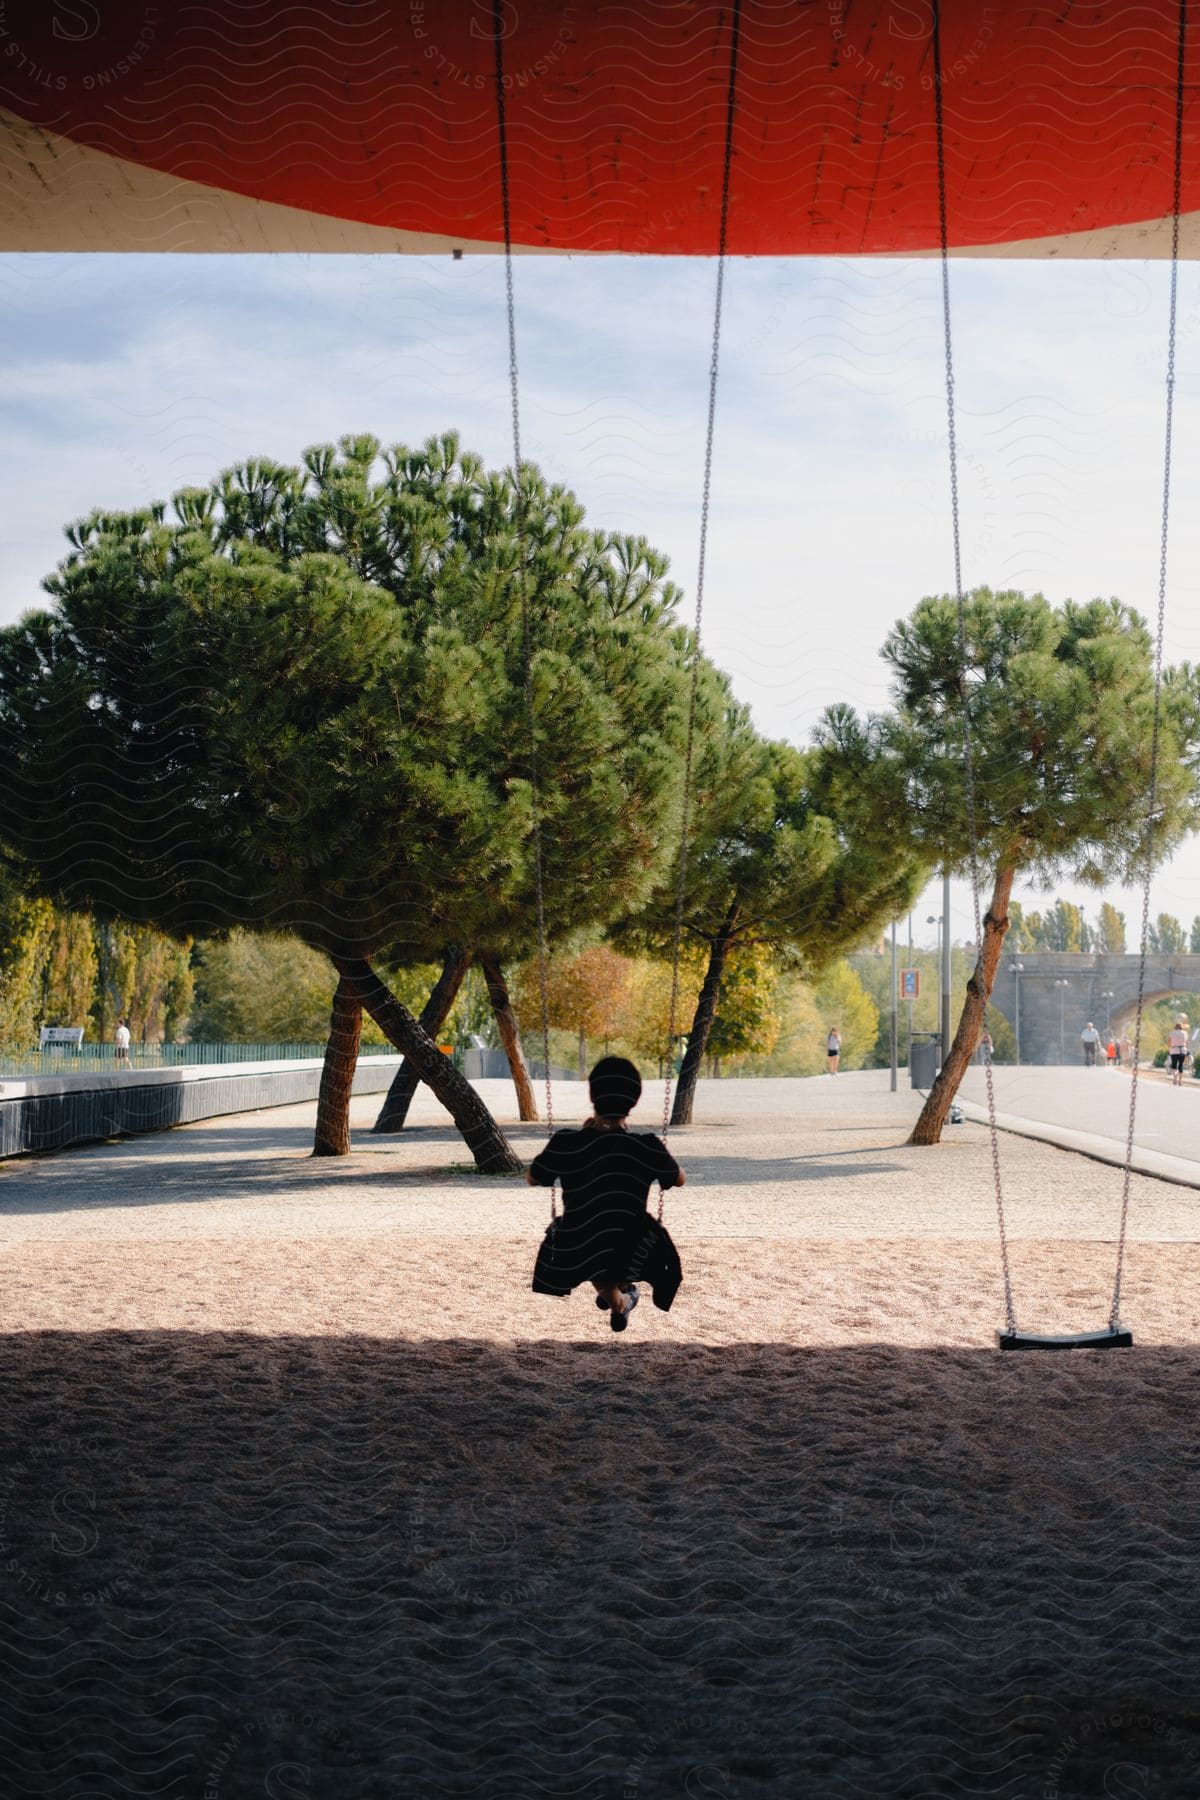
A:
(1053, 994)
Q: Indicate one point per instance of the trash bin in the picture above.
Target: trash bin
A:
(923, 1060)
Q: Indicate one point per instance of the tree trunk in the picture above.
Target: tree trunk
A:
(393, 1114)
(702, 1024)
(583, 1068)
(493, 1153)
(928, 1128)
(337, 1076)
(510, 1037)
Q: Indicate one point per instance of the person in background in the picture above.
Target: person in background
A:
(122, 1037)
(985, 1047)
(833, 1050)
(1127, 1051)
(1177, 1049)
(1089, 1037)
(1110, 1050)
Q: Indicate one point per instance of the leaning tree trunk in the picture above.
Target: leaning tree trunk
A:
(337, 1075)
(393, 1114)
(510, 1037)
(702, 1024)
(928, 1128)
(493, 1153)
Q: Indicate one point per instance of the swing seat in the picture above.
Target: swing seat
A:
(1111, 1338)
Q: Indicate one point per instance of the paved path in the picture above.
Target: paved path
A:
(1095, 1103)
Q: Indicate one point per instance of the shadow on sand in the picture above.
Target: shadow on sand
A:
(357, 1567)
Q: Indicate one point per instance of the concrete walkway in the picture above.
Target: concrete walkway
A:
(1087, 1110)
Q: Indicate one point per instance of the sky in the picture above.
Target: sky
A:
(126, 378)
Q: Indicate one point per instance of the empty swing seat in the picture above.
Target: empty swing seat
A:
(1113, 1337)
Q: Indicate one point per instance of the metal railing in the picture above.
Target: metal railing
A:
(92, 1059)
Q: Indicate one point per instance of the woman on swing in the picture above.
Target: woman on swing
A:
(606, 1171)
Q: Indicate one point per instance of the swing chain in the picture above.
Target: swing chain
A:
(1155, 730)
(968, 759)
(499, 29)
(735, 31)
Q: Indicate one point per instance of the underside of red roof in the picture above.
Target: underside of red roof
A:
(383, 116)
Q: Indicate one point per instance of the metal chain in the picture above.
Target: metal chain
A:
(1148, 843)
(499, 28)
(735, 32)
(967, 745)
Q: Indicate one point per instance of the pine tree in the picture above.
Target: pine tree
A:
(1061, 706)
(772, 861)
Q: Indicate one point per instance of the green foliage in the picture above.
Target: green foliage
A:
(806, 1011)
(1061, 708)
(142, 976)
(263, 987)
(773, 861)
(1063, 928)
(1166, 936)
(299, 707)
(1019, 931)
(747, 1021)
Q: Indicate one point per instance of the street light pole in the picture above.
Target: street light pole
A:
(895, 1010)
(1108, 996)
(947, 980)
(908, 965)
(1061, 984)
(1017, 969)
(935, 919)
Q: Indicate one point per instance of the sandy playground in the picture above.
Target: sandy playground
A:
(303, 1493)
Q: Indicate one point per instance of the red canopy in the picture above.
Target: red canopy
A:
(371, 124)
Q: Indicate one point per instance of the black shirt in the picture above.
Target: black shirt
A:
(606, 1178)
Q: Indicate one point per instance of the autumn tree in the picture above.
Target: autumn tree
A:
(587, 993)
(1060, 703)
(26, 933)
(1110, 930)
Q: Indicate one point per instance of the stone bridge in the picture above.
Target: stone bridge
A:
(1052, 1016)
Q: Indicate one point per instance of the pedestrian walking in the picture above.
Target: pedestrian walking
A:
(985, 1047)
(1127, 1051)
(1177, 1049)
(833, 1050)
(1110, 1050)
(1089, 1037)
(122, 1038)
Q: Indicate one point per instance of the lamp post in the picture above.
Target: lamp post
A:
(908, 965)
(1061, 984)
(1108, 996)
(936, 919)
(1017, 969)
(895, 1010)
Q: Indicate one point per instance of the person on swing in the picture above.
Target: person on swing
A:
(606, 1171)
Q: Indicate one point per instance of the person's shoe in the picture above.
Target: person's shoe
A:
(619, 1320)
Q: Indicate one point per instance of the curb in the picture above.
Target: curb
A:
(1176, 1169)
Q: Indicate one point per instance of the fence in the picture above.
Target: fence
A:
(92, 1059)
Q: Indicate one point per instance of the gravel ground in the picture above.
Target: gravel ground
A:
(304, 1493)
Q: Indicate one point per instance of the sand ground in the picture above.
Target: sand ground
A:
(303, 1492)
